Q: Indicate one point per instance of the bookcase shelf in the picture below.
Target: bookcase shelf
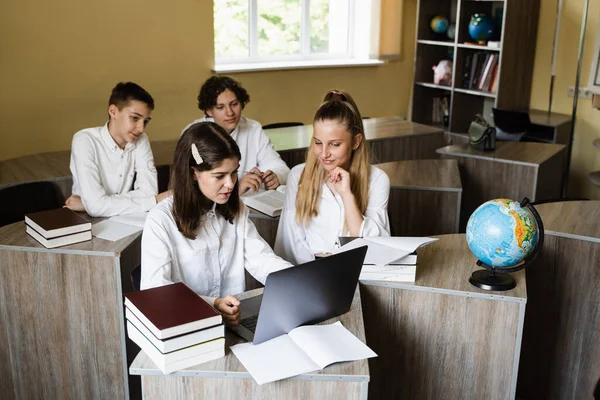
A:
(509, 66)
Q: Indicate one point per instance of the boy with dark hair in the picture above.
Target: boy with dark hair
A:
(106, 159)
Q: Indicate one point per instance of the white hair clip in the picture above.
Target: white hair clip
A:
(196, 154)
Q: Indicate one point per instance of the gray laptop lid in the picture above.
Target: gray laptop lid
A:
(308, 293)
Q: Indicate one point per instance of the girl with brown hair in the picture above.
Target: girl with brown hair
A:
(336, 192)
(202, 235)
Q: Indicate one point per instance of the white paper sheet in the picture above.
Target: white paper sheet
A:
(113, 231)
(386, 250)
(274, 359)
(304, 349)
(136, 219)
(397, 273)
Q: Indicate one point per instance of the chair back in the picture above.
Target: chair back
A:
(18, 200)
(511, 125)
(164, 176)
(282, 125)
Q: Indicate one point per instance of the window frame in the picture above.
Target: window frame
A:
(368, 49)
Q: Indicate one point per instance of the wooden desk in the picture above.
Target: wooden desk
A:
(514, 170)
(441, 337)
(560, 357)
(227, 377)
(391, 139)
(553, 128)
(425, 197)
(62, 330)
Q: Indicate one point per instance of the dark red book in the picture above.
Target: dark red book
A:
(171, 310)
(54, 223)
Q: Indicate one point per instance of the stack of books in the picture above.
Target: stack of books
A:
(174, 326)
(480, 72)
(60, 227)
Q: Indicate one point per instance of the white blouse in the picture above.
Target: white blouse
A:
(212, 265)
(256, 148)
(298, 243)
(103, 173)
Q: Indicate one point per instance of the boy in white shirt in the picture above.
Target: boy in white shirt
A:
(112, 165)
(222, 99)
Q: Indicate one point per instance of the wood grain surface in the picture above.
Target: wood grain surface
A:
(60, 316)
(441, 337)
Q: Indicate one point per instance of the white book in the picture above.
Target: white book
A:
(392, 273)
(177, 342)
(61, 240)
(179, 359)
(303, 349)
(384, 250)
(269, 202)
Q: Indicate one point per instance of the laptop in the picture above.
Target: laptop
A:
(301, 295)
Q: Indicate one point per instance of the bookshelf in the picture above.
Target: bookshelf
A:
(516, 31)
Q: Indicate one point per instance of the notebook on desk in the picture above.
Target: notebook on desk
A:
(300, 295)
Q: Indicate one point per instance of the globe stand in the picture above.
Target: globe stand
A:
(491, 278)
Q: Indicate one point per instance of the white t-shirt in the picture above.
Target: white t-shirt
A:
(103, 173)
(255, 147)
(298, 244)
(212, 264)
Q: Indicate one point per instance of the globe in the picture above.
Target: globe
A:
(501, 233)
(439, 24)
(451, 32)
(481, 27)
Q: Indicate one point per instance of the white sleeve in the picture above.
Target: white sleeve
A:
(376, 221)
(156, 255)
(290, 243)
(268, 158)
(146, 177)
(259, 259)
(85, 170)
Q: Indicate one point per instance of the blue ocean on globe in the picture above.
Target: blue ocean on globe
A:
(481, 27)
(501, 233)
(439, 24)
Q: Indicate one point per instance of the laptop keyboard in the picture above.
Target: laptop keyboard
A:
(250, 323)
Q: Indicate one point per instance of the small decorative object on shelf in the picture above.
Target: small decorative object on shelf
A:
(442, 73)
(451, 32)
(439, 24)
(505, 236)
(481, 27)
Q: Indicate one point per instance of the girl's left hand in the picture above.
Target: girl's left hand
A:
(341, 181)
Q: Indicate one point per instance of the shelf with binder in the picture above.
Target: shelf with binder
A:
(433, 105)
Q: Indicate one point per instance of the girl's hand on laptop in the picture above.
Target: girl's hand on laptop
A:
(229, 307)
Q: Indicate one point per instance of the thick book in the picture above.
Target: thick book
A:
(179, 359)
(388, 273)
(269, 202)
(60, 240)
(177, 342)
(303, 349)
(171, 310)
(59, 222)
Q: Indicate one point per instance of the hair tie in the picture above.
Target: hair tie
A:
(196, 154)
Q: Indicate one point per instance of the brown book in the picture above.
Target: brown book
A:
(54, 223)
(171, 310)
(59, 240)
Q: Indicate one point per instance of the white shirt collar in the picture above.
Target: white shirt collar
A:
(110, 142)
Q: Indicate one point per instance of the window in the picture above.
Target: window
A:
(251, 33)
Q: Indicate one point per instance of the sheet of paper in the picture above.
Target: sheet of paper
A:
(113, 231)
(327, 344)
(397, 273)
(377, 254)
(400, 242)
(136, 219)
(275, 359)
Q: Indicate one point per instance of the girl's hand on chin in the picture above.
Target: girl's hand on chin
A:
(341, 181)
